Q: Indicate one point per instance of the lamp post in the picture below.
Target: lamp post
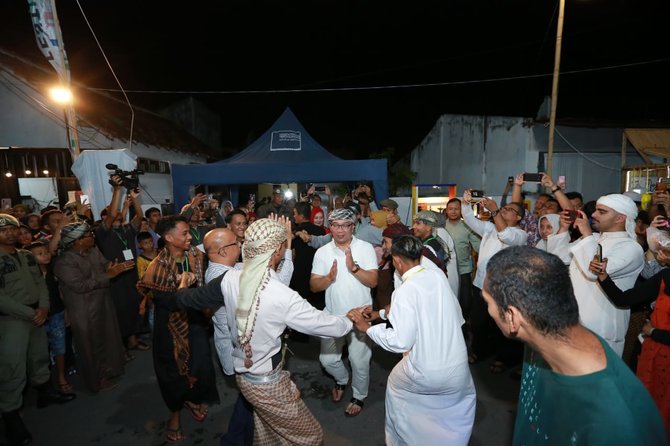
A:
(554, 85)
(63, 96)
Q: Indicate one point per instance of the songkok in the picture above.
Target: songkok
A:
(427, 217)
(396, 230)
(623, 205)
(388, 203)
(341, 214)
(72, 232)
(261, 240)
(8, 220)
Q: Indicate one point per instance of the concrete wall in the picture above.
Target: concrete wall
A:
(477, 152)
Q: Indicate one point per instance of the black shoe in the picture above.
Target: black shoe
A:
(47, 395)
(15, 430)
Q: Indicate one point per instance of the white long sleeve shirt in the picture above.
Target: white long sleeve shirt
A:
(492, 240)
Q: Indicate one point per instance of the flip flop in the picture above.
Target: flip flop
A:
(197, 411)
(173, 435)
(338, 390)
(352, 403)
(65, 387)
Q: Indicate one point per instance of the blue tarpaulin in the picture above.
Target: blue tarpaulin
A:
(285, 153)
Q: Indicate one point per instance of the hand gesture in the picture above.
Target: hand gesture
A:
(133, 194)
(662, 258)
(187, 279)
(546, 181)
(582, 223)
(659, 222)
(197, 200)
(304, 236)
(117, 180)
(356, 316)
(351, 265)
(40, 316)
(467, 196)
(311, 190)
(564, 222)
(332, 274)
(213, 204)
(346, 199)
(518, 180)
(115, 268)
(598, 268)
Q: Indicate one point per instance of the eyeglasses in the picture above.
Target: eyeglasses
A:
(238, 244)
(510, 208)
(345, 226)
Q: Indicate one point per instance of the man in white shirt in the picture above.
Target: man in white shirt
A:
(614, 219)
(258, 309)
(347, 269)
(430, 396)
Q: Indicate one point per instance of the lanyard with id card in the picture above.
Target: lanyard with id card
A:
(127, 253)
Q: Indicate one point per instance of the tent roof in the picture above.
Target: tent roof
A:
(286, 141)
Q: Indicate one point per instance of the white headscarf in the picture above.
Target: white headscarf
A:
(261, 240)
(623, 205)
(554, 221)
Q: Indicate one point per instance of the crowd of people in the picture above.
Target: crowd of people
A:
(451, 289)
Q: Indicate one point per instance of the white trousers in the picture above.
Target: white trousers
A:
(359, 357)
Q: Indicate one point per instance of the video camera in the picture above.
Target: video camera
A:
(129, 178)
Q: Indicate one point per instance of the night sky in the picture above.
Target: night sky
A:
(270, 45)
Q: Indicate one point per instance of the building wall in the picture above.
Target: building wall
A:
(476, 152)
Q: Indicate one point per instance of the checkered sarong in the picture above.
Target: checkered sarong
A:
(280, 416)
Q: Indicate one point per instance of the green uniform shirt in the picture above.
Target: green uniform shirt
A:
(22, 285)
(464, 238)
(609, 407)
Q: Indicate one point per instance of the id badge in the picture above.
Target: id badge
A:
(128, 254)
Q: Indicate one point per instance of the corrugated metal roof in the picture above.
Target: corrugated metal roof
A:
(650, 141)
(110, 115)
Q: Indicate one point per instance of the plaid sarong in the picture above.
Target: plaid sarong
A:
(162, 275)
(280, 415)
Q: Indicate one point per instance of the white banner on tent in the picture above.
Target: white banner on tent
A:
(286, 140)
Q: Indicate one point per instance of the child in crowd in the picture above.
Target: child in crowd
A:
(55, 324)
(145, 243)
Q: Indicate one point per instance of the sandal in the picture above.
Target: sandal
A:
(173, 435)
(338, 392)
(65, 387)
(497, 367)
(355, 402)
(198, 411)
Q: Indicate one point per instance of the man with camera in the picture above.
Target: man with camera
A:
(614, 219)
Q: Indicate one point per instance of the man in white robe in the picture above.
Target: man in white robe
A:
(430, 396)
(614, 218)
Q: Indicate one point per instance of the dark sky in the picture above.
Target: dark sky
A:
(262, 45)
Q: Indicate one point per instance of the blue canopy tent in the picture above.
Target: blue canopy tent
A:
(285, 153)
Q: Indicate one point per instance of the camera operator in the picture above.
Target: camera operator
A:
(116, 241)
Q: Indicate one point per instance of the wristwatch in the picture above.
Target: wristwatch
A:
(382, 314)
(493, 214)
(555, 189)
(356, 268)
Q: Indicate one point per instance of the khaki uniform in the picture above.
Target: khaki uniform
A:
(23, 346)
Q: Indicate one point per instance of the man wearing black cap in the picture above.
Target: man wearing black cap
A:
(24, 306)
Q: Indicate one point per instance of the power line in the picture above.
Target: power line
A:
(385, 87)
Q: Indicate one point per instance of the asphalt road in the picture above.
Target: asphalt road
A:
(133, 414)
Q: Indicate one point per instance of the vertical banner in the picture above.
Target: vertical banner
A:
(50, 42)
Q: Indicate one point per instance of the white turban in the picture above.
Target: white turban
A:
(623, 205)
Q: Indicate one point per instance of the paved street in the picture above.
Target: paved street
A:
(133, 413)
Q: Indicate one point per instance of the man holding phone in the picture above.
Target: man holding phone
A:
(614, 219)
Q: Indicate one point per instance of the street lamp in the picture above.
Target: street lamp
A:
(61, 95)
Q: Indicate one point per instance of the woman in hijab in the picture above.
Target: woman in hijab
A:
(318, 218)
(84, 280)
